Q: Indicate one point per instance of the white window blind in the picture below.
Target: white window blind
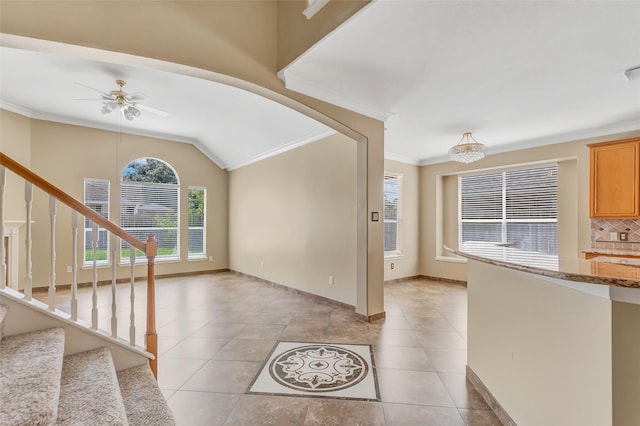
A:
(392, 194)
(148, 206)
(96, 197)
(197, 223)
(513, 208)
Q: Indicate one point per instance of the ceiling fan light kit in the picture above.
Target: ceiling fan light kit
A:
(127, 104)
(466, 151)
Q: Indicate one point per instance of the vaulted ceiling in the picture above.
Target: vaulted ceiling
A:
(516, 74)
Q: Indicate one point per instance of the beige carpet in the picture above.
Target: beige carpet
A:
(30, 366)
(143, 400)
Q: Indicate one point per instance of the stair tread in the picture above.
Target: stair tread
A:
(30, 368)
(89, 390)
(143, 400)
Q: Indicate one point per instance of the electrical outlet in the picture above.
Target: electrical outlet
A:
(331, 281)
(624, 236)
(69, 269)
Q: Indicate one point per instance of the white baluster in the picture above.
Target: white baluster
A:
(114, 317)
(132, 319)
(52, 272)
(94, 295)
(28, 281)
(3, 255)
(74, 265)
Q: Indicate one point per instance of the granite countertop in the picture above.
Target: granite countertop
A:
(612, 252)
(598, 270)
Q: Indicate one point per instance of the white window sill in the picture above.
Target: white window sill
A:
(451, 259)
(89, 266)
(202, 258)
(393, 256)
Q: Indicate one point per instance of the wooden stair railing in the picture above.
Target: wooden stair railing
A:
(149, 248)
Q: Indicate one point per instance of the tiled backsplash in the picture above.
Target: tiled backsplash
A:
(601, 229)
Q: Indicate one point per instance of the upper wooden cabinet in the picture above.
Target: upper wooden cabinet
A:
(615, 179)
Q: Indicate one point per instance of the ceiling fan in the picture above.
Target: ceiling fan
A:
(125, 102)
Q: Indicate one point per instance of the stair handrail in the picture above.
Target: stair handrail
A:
(149, 248)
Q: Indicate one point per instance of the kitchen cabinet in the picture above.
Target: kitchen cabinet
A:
(615, 179)
(604, 269)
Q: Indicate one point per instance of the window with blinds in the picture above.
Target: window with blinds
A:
(197, 223)
(96, 197)
(512, 208)
(392, 190)
(149, 194)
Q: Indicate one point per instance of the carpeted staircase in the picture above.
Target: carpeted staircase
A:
(41, 386)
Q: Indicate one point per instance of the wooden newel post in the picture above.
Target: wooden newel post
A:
(151, 337)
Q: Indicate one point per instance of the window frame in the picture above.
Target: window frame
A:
(159, 258)
(504, 220)
(89, 262)
(203, 254)
(398, 221)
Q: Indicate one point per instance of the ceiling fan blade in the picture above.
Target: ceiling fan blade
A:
(94, 89)
(136, 97)
(152, 110)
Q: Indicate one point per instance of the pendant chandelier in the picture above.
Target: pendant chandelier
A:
(468, 150)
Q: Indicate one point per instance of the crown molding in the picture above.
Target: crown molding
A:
(16, 108)
(312, 137)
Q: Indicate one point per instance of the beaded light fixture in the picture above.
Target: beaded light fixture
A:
(468, 150)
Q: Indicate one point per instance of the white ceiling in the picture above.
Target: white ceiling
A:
(233, 127)
(514, 73)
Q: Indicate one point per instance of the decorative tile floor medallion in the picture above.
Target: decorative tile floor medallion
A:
(318, 369)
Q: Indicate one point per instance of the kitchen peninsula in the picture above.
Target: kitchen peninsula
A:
(554, 341)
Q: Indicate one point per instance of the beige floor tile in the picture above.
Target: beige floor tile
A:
(412, 387)
(180, 328)
(261, 331)
(323, 412)
(463, 393)
(441, 339)
(223, 376)
(174, 372)
(420, 415)
(196, 348)
(402, 358)
(480, 418)
(253, 410)
(429, 324)
(219, 330)
(448, 360)
(246, 350)
(397, 338)
(201, 408)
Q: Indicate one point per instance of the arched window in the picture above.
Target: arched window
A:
(149, 203)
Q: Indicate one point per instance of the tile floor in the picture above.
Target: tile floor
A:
(216, 331)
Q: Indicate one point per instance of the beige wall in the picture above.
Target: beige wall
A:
(15, 141)
(406, 264)
(296, 33)
(438, 203)
(543, 350)
(292, 218)
(236, 39)
(66, 154)
(626, 374)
